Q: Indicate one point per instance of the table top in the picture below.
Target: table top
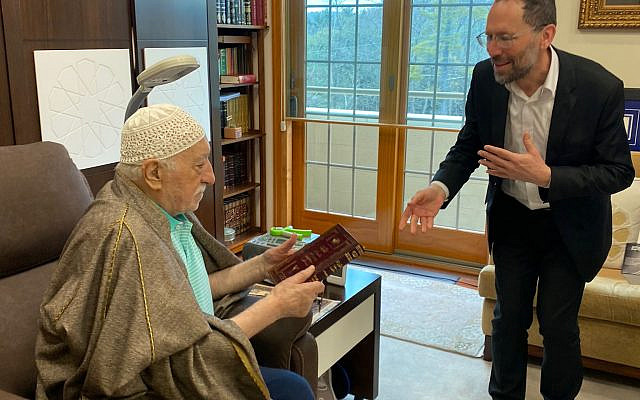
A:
(359, 286)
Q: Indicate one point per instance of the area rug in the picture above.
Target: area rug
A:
(430, 312)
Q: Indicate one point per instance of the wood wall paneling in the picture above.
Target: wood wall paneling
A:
(54, 24)
(6, 121)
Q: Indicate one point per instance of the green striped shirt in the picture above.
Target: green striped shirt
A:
(186, 246)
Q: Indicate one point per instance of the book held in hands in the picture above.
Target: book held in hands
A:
(328, 252)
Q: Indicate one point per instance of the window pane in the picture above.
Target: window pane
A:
(318, 74)
(342, 76)
(316, 187)
(472, 208)
(343, 34)
(477, 53)
(365, 186)
(451, 80)
(367, 146)
(317, 100)
(418, 151)
(413, 183)
(317, 33)
(423, 35)
(422, 78)
(341, 148)
(341, 104)
(368, 106)
(369, 33)
(368, 76)
(441, 145)
(317, 142)
(447, 217)
(340, 190)
(454, 30)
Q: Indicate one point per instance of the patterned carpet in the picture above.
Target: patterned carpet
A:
(430, 312)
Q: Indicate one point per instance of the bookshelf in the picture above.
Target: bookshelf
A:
(241, 174)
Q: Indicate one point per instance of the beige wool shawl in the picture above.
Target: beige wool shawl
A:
(119, 318)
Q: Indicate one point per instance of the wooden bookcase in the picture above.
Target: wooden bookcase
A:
(240, 169)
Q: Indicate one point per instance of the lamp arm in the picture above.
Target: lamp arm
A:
(136, 101)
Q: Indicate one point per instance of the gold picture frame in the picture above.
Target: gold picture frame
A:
(609, 14)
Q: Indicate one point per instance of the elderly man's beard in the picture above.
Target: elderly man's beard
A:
(521, 64)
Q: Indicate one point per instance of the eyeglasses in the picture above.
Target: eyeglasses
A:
(503, 41)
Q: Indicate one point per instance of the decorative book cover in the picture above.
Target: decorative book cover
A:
(631, 263)
(328, 252)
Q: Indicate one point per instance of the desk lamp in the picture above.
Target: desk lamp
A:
(164, 71)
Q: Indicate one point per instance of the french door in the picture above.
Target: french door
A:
(376, 98)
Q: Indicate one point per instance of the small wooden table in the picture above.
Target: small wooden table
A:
(350, 332)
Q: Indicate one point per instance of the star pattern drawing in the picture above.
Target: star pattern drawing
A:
(83, 96)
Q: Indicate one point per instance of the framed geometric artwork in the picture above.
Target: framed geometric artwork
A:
(82, 98)
(191, 92)
(632, 117)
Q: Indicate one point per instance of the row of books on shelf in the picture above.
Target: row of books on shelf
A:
(235, 169)
(234, 111)
(236, 213)
(233, 61)
(242, 12)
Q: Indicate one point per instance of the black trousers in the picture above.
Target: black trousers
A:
(528, 252)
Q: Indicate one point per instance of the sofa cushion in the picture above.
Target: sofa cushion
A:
(43, 195)
(625, 208)
(20, 297)
(606, 298)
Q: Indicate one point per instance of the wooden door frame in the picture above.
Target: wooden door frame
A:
(282, 145)
(446, 243)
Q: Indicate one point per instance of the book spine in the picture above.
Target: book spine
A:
(247, 12)
(254, 13)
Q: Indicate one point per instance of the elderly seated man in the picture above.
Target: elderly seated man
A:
(129, 311)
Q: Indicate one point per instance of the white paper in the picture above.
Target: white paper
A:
(191, 92)
(82, 98)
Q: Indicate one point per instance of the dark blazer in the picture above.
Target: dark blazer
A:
(587, 151)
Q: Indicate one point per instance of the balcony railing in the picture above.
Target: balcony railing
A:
(419, 119)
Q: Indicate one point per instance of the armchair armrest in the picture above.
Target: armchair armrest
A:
(284, 344)
(9, 396)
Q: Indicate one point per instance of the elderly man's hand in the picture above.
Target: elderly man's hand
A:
(276, 254)
(525, 167)
(293, 296)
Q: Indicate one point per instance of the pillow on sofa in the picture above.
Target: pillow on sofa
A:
(625, 208)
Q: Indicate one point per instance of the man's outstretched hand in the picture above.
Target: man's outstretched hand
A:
(422, 208)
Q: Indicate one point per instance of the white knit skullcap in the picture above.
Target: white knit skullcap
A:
(158, 131)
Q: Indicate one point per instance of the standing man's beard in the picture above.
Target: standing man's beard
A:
(521, 65)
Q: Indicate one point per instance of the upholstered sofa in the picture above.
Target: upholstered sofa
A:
(609, 316)
(42, 196)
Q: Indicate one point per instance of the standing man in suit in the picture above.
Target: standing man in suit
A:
(548, 127)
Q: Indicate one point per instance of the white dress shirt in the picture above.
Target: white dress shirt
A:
(530, 114)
